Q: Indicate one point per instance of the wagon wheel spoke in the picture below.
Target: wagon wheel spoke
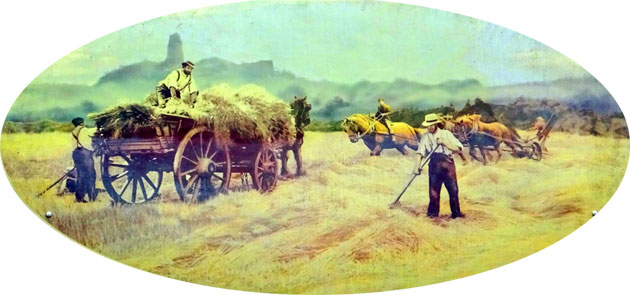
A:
(189, 160)
(220, 165)
(191, 182)
(213, 154)
(118, 176)
(200, 144)
(143, 189)
(192, 146)
(126, 159)
(122, 192)
(216, 175)
(189, 171)
(205, 154)
(205, 189)
(195, 194)
(150, 182)
(134, 190)
(118, 165)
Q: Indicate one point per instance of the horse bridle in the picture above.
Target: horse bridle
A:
(367, 130)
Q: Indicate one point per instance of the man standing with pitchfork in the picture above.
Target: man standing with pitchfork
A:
(439, 145)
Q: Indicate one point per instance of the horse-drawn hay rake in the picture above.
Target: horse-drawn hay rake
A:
(531, 148)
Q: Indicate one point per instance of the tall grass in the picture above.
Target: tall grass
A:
(332, 231)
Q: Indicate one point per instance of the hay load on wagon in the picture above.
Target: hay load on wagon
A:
(228, 131)
(249, 113)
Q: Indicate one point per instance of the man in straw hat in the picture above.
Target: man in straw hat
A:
(83, 161)
(539, 125)
(441, 166)
(177, 82)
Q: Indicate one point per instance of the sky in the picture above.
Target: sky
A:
(343, 42)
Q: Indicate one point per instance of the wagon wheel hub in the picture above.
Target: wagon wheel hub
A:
(205, 167)
(268, 167)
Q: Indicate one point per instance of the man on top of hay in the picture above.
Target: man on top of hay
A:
(83, 162)
(177, 82)
(441, 165)
(382, 114)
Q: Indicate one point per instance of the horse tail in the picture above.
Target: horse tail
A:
(513, 132)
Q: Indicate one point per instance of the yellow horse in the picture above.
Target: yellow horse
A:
(375, 136)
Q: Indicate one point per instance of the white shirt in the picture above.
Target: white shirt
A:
(428, 142)
(180, 81)
(83, 137)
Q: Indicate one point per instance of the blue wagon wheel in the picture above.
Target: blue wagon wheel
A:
(201, 167)
(128, 179)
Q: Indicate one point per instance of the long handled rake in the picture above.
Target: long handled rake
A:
(56, 182)
(413, 177)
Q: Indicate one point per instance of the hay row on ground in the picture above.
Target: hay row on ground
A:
(246, 114)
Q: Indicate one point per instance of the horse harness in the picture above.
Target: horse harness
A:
(475, 130)
(372, 129)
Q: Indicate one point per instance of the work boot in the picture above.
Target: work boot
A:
(458, 215)
(80, 201)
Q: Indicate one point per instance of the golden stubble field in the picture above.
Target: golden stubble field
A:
(332, 231)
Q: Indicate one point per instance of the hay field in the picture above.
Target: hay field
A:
(331, 231)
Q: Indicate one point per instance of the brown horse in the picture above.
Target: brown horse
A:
(472, 125)
(478, 140)
(300, 111)
(449, 125)
(375, 136)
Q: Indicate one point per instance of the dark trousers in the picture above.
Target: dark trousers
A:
(86, 175)
(386, 121)
(164, 94)
(442, 171)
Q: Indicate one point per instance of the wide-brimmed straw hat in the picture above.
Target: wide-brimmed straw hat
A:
(430, 119)
(188, 63)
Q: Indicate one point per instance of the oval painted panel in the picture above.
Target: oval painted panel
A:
(365, 147)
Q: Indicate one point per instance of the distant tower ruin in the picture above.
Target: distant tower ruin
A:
(174, 51)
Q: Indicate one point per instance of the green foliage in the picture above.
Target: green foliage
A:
(479, 107)
(415, 117)
(36, 127)
(324, 126)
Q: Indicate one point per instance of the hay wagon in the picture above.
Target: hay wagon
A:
(132, 167)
